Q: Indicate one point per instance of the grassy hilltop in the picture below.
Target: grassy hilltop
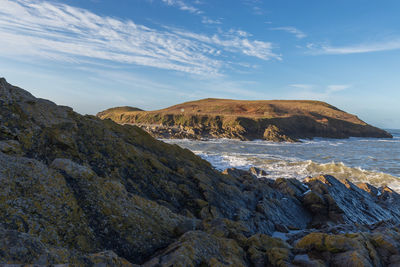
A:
(275, 120)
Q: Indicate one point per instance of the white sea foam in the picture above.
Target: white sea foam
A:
(278, 168)
(375, 161)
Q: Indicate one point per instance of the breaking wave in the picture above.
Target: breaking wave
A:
(374, 161)
(278, 168)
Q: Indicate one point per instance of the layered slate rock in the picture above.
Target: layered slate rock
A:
(273, 120)
(86, 192)
(343, 202)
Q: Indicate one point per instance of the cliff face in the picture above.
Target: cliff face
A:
(275, 120)
(83, 191)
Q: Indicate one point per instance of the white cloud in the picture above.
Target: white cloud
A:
(337, 87)
(302, 86)
(234, 42)
(206, 20)
(312, 91)
(255, 6)
(182, 6)
(42, 29)
(298, 33)
(354, 49)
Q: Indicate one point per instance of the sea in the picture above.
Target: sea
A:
(372, 160)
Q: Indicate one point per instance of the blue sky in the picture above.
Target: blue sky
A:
(96, 54)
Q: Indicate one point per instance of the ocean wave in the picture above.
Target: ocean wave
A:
(355, 175)
(378, 158)
(279, 168)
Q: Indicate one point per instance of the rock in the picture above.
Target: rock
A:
(273, 133)
(108, 258)
(265, 250)
(305, 261)
(258, 172)
(368, 188)
(37, 200)
(72, 169)
(292, 187)
(186, 226)
(196, 248)
(386, 244)
(343, 250)
(237, 173)
(341, 201)
(10, 147)
(21, 249)
(351, 259)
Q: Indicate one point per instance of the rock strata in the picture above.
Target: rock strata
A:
(83, 191)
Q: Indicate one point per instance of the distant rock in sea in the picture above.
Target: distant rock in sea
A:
(82, 191)
(273, 120)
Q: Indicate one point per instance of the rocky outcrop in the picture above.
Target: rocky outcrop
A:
(88, 192)
(278, 120)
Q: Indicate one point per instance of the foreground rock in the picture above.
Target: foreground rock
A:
(277, 120)
(81, 191)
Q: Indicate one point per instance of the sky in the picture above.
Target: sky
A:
(96, 54)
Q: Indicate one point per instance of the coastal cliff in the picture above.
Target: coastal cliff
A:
(274, 120)
(83, 191)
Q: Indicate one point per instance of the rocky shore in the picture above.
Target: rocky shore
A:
(277, 120)
(83, 191)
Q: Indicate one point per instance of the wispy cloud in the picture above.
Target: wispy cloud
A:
(183, 6)
(235, 42)
(319, 49)
(296, 32)
(321, 92)
(207, 20)
(337, 87)
(49, 30)
(255, 6)
(302, 86)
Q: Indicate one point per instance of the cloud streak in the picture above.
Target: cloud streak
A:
(47, 30)
(354, 49)
(296, 32)
(182, 6)
(207, 20)
(318, 92)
